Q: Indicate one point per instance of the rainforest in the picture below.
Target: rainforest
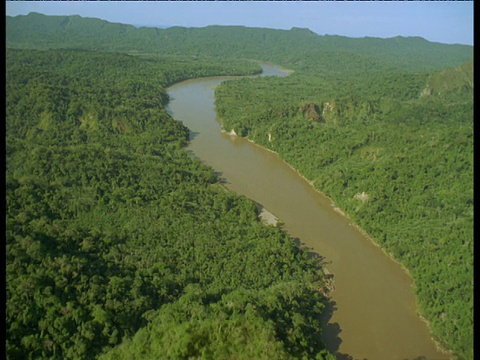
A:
(120, 244)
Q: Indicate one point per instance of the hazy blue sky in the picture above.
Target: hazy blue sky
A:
(440, 21)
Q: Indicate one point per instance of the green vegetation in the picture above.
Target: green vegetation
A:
(297, 48)
(115, 235)
(112, 227)
(395, 152)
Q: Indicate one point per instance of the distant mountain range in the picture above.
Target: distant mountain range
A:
(151, 26)
(38, 31)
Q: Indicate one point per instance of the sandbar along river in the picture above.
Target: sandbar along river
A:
(374, 311)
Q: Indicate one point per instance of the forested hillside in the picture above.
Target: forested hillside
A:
(112, 227)
(110, 224)
(299, 48)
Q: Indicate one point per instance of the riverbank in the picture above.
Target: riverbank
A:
(365, 321)
(267, 217)
(364, 234)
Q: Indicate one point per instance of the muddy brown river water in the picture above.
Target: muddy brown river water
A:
(374, 314)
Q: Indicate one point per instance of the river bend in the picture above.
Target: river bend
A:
(374, 311)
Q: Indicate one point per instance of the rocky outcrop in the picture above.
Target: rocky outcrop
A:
(311, 111)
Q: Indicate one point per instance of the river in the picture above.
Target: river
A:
(373, 313)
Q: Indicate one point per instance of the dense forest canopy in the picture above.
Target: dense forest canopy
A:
(114, 234)
(112, 227)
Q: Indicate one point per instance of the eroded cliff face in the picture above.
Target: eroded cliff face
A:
(311, 111)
